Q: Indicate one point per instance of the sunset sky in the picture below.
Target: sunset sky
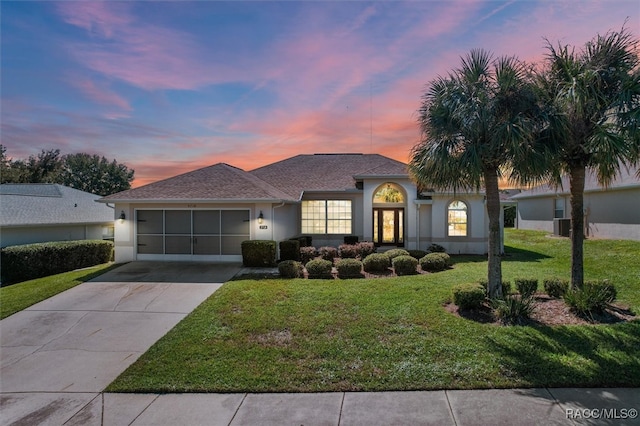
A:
(168, 87)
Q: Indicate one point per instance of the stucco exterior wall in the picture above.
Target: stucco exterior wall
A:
(13, 236)
(476, 241)
(608, 214)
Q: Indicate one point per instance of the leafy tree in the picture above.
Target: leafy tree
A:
(43, 168)
(95, 174)
(595, 94)
(90, 173)
(478, 125)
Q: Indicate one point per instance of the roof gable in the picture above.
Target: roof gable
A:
(218, 182)
(327, 172)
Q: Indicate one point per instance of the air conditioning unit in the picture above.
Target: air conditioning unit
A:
(562, 227)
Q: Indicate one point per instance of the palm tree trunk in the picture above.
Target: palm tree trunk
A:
(493, 209)
(576, 182)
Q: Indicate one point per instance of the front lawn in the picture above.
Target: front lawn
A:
(20, 296)
(394, 333)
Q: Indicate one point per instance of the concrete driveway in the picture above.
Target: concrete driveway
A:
(59, 354)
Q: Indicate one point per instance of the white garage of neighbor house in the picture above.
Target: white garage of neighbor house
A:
(207, 213)
(43, 212)
(611, 212)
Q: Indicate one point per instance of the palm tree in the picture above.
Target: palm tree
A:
(596, 96)
(478, 125)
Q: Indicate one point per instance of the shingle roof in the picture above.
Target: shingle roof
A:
(218, 182)
(29, 204)
(326, 172)
(281, 181)
(626, 179)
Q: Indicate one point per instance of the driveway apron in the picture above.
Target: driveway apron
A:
(59, 354)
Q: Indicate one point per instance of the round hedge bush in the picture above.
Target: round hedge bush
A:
(291, 269)
(319, 269)
(435, 262)
(418, 254)
(328, 253)
(376, 262)
(349, 268)
(393, 253)
(405, 265)
(468, 296)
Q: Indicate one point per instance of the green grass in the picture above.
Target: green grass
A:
(394, 334)
(19, 296)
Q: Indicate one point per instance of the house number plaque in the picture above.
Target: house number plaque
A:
(263, 227)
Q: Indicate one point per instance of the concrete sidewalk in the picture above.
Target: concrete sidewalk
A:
(442, 408)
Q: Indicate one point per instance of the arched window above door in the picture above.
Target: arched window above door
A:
(389, 193)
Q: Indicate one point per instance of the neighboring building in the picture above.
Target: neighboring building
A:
(207, 213)
(41, 212)
(611, 212)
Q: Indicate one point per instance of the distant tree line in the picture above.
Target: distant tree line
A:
(86, 172)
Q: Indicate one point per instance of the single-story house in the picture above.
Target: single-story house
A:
(207, 213)
(42, 212)
(609, 212)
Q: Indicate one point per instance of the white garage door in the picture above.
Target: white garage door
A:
(191, 234)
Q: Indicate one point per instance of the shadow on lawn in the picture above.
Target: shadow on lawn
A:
(584, 356)
(521, 255)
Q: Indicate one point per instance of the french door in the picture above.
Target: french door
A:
(388, 227)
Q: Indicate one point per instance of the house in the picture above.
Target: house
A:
(35, 213)
(608, 212)
(207, 213)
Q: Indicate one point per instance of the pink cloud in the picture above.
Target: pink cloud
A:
(100, 94)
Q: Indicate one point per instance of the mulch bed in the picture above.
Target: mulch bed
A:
(548, 312)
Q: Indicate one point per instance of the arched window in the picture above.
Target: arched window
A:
(457, 219)
(389, 193)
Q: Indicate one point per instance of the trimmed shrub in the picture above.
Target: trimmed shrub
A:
(305, 240)
(405, 265)
(526, 287)
(307, 253)
(555, 287)
(436, 248)
(319, 269)
(506, 286)
(349, 268)
(291, 269)
(365, 248)
(328, 253)
(29, 261)
(592, 298)
(468, 296)
(513, 309)
(258, 253)
(418, 254)
(435, 262)
(376, 262)
(393, 253)
(351, 239)
(290, 250)
(348, 251)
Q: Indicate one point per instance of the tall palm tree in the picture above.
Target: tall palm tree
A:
(478, 124)
(596, 97)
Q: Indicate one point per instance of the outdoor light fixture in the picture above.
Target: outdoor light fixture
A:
(122, 216)
(260, 218)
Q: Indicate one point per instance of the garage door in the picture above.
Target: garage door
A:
(189, 234)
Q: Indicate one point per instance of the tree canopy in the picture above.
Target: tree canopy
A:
(86, 172)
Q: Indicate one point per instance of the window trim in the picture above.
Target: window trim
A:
(467, 217)
(326, 217)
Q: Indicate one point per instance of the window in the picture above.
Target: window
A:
(558, 212)
(457, 219)
(326, 217)
(389, 193)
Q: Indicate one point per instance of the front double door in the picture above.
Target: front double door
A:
(388, 227)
